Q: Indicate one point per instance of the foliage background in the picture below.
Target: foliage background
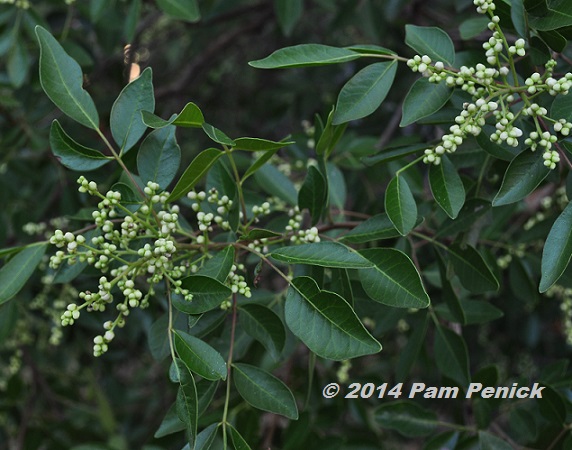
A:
(61, 397)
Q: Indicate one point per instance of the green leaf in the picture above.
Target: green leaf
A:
(447, 187)
(218, 267)
(265, 326)
(368, 49)
(558, 15)
(170, 424)
(503, 152)
(259, 145)
(372, 229)
(187, 10)
(472, 270)
(394, 280)
(205, 438)
(312, 194)
(190, 117)
(72, 155)
(325, 254)
(472, 27)
(208, 293)
(473, 209)
(199, 356)
(216, 135)
(159, 157)
(18, 64)
(326, 323)
(522, 177)
(274, 182)
(264, 391)
(330, 136)
(62, 80)
(288, 13)
(364, 92)
(187, 407)
(238, 441)
(562, 108)
(400, 205)
(8, 320)
(196, 170)
(260, 162)
(519, 18)
(557, 250)
(408, 356)
(16, 272)
(488, 441)
(451, 355)
(125, 121)
(305, 55)
(431, 41)
(423, 99)
(407, 418)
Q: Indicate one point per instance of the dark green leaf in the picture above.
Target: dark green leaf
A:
(326, 323)
(557, 250)
(325, 254)
(237, 440)
(488, 441)
(72, 155)
(170, 424)
(62, 81)
(364, 92)
(407, 418)
(522, 177)
(265, 326)
(218, 267)
(125, 121)
(372, 229)
(562, 108)
(409, 354)
(368, 49)
(208, 293)
(16, 272)
(199, 357)
(187, 10)
(447, 187)
(519, 18)
(423, 99)
(312, 194)
(400, 205)
(472, 27)
(18, 64)
(288, 12)
(274, 182)
(159, 157)
(431, 41)
(498, 151)
(216, 135)
(472, 269)
(558, 15)
(394, 280)
(191, 116)
(451, 355)
(196, 170)
(205, 438)
(187, 401)
(264, 391)
(305, 55)
(330, 136)
(259, 145)
(260, 162)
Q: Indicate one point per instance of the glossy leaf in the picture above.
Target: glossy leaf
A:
(447, 187)
(62, 81)
(400, 205)
(288, 13)
(259, 145)
(407, 418)
(191, 116)
(522, 177)
(187, 401)
(431, 41)
(326, 323)
(72, 155)
(196, 170)
(187, 10)
(364, 92)
(305, 55)
(372, 229)
(216, 135)
(274, 182)
(125, 121)
(159, 157)
(265, 326)
(451, 355)
(394, 280)
(16, 272)
(423, 99)
(264, 391)
(208, 293)
(325, 254)
(557, 250)
(219, 266)
(472, 270)
(312, 194)
(199, 357)
(558, 15)
(238, 441)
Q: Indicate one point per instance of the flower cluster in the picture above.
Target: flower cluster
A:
(564, 295)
